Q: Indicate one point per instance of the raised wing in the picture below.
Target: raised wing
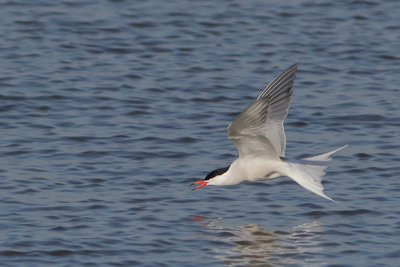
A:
(260, 125)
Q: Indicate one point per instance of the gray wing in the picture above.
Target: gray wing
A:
(260, 125)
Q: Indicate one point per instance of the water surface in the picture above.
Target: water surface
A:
(110, 109)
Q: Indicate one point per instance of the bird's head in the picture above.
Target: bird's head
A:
(210, 178)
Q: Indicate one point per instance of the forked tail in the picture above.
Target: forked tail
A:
(308, 172)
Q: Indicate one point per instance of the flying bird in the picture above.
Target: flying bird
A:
(259, 136)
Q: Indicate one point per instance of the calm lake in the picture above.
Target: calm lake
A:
(110, 109)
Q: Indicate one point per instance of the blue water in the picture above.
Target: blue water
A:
(110, 109)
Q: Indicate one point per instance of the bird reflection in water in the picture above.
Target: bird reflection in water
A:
(253, 245)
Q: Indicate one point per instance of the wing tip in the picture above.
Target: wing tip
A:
(282, 81)
(294, 66)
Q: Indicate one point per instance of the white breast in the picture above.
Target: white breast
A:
(259, 168)
(249, 169)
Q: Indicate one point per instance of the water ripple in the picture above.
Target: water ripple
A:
(110, 109)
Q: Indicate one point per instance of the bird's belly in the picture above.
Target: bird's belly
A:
(262, 170)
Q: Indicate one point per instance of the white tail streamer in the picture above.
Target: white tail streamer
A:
(308, 173)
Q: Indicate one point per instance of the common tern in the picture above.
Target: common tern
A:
(259, 136)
